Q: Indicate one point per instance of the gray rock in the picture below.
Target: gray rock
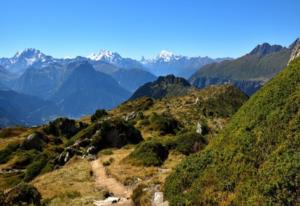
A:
(199, 128)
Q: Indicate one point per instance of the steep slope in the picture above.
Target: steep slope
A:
(162, 87)
(256, 160)
(20, 109)
(131, 79)
(6, 77)
(86, 90)
(40, 82)
(255, 68)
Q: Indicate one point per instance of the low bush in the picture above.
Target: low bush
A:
(35, 167)
(98, 115)
(64, 127)
(188, 143)
(7, 152)
(24, 157)
(23, 194)
(116, 133)
(148, 153)
(164, 123)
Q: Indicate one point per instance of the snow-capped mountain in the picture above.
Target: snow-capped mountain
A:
(21, 60)
(167, 62)
(115, 59)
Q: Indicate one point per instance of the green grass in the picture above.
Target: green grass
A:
(256, 160)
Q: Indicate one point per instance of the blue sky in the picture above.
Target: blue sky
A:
(136, 28)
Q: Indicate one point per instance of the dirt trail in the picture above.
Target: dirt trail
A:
(111, 184)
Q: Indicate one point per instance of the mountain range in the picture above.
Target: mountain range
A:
(248, 72)
(78, 86)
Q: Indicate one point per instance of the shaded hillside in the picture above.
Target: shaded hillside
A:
(21, 109)
(131, 79)
(256, 160)
(163, 87)
(86, 90)
(255, 68)
(40, 82)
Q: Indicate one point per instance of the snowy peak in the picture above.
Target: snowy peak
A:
(30, 56)
(168, 56)
(105, 55)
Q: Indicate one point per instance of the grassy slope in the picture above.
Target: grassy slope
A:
(70, 185)
(256, 160)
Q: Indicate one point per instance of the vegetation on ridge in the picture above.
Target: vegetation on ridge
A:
(256, 160)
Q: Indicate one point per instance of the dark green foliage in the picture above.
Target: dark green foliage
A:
(163, 87)
(164, 123)
(188, 143)
(148, 153)
(7, 151)
(222, 104)
(35, 167)
(23, 194)
(24, 158)
(116, 133)
(63, 127)
(98, 115)
(34, 141)
(256, 160)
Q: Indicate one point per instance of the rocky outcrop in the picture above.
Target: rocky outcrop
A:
(164, 86)
(296, 50)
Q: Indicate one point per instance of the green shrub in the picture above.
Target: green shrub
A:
(35, 167)
(188, 143)
(98, 115)
(64, 127)
(116, 133)
(7, 152)
(148, 153)
(164, 123)
(24, 157)
(23, 194)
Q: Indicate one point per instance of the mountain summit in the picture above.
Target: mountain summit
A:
(21, 60)
(164, 86)
(105, 55)
(265, 48)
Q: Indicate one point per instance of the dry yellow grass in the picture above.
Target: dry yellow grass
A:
(133, 175)
(13, 134)
(69, 185)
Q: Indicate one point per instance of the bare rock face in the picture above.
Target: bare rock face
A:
(296, 50)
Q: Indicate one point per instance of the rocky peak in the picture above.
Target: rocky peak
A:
(171, 79)
(265, 48)
(295, 50)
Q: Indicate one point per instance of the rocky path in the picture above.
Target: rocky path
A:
(121, 193)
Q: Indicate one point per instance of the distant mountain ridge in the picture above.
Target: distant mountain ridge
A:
(86, 90)
(248, 72)
(169, 63)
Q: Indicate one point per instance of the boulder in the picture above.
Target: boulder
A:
(34, 141)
